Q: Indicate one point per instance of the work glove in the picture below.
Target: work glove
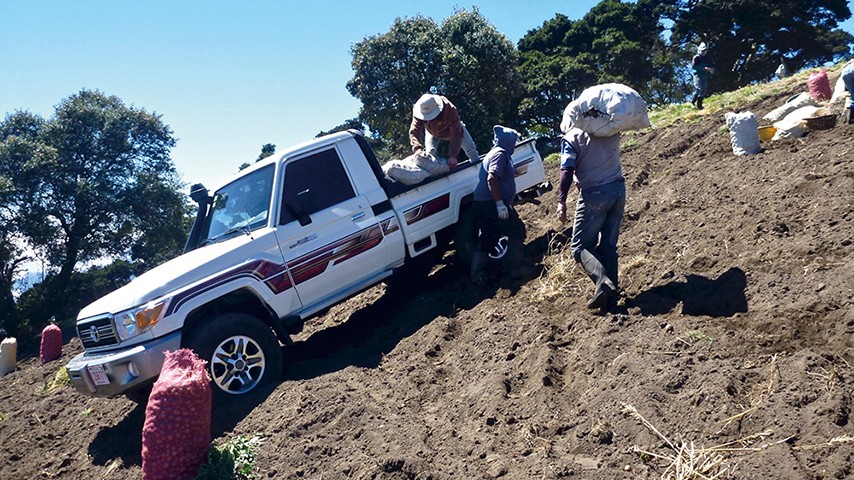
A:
(561, 212)
(503, 212)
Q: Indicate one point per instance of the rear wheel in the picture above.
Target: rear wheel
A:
(242, 354)
(466, 239)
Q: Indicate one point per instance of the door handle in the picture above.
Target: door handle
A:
(357, 216)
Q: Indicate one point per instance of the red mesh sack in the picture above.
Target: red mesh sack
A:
(819, 86)
(176, 435)
(51, 344)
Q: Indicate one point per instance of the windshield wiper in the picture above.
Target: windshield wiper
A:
(222, 236)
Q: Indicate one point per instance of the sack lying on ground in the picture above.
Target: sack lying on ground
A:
(743, 133)
(433, 164)
(819, 86)
(405, 171)
(802, 99)
(605, 110)
(795, 123)
(839, 92)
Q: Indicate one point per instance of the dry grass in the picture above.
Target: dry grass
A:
(561, 276)
(686, 461)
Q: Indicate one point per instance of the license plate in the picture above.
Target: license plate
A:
(99, 376)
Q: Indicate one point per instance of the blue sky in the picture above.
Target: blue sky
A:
(226, 76)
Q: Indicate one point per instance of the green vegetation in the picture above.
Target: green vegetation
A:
(95, 180)
(231, 459)
(60, 380)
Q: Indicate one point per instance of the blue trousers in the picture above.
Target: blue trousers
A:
(598, 216)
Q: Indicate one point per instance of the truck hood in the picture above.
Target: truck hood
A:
(173, 275)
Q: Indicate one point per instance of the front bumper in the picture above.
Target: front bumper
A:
(147, 360)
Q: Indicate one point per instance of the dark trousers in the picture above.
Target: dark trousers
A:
(492, 228)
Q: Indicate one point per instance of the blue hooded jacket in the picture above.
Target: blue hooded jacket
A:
(498, 163)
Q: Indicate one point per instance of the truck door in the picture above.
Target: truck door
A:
(329, 236)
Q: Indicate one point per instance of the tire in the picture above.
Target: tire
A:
(242, 352)
(465, 238)
(465, 241)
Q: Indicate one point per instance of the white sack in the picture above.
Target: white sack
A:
(743, 133)
(839, 92)
(433, 164)
(405, 171)
(794, 125)
(802, 99)
(605, 110)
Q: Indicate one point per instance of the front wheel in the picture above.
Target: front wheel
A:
(241, 351)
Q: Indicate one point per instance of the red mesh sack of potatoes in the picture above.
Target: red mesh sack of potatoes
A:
(176, 435)
(819, 86)
(51, 344)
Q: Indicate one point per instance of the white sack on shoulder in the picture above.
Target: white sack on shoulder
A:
(743, 133)
(605, 110)
(794, 125)
(802, 99)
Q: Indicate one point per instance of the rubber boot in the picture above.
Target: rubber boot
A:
(612, 270)
(516, 261)
(849, 115)
(605, 288)
(479, 260)
(699, 103)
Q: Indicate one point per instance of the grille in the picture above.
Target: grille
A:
(97, 332)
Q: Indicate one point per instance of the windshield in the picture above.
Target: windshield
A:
(240, 206)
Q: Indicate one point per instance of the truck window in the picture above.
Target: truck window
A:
(241, 205)
(314, 183)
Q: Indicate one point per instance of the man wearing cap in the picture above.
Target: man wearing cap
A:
(435, 117)
(701, 68)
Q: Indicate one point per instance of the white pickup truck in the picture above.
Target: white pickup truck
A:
(280, 242)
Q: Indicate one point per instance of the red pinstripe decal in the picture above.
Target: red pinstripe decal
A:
(431, 207)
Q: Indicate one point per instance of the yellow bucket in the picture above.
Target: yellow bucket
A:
(766, 133)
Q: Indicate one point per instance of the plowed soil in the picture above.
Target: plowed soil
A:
(733, 343)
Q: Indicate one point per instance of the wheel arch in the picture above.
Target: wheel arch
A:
(243, 300)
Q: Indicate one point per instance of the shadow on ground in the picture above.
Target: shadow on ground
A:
(720, 297)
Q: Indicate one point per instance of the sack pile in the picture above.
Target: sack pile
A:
(795, 102)
(605, 110)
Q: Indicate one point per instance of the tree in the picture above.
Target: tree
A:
(93, 181)
(391, 71)
(465, 59)
(748, 38)
(266, 150)
(614, 42)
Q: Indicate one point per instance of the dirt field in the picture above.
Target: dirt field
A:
(735, 331)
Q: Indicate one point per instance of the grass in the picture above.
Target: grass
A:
(687, 461)
(559, 278)
(231, 459)
(60, 380)
(670, 114)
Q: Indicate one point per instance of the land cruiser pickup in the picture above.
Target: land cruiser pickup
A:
(278, 243)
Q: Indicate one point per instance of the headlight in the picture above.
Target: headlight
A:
(131, 323)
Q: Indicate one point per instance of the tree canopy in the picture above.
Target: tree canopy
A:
(748, 38)
(465, 59)
(94, 180)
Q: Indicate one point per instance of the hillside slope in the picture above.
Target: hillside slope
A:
(735, 329)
